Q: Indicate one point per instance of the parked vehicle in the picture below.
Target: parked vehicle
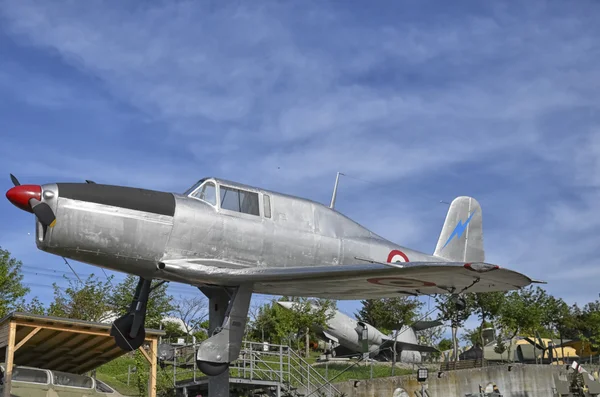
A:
(38, 382)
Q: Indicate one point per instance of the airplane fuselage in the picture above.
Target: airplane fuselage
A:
(133, 230)
(346, 331)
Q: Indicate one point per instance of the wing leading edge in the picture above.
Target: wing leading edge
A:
(406, 346)
(343, 282)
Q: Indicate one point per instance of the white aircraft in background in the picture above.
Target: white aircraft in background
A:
(346, 337)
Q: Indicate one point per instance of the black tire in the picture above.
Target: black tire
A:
(120, 331)
(212, 369)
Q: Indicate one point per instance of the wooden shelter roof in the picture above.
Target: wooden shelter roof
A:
(62, 344)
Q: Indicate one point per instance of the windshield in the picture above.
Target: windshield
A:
(207, 193)
(194, 187)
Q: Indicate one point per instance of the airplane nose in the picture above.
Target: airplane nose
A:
(20, 196)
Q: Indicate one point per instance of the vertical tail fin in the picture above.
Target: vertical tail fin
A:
(461, 239)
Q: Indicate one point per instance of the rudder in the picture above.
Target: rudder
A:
(461, 239)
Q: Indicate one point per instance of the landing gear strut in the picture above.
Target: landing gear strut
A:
(128, 330)
(459, 302)
(228, 311)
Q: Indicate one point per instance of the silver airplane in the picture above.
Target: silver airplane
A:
(232, 240)
(347, 337)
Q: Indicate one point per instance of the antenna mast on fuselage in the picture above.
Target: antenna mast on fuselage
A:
(334, 195)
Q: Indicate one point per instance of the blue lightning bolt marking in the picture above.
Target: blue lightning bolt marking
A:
(459, 229)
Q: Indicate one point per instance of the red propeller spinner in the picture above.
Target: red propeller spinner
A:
(20, 196)
(29, 198)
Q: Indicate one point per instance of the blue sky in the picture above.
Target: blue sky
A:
(426, 100)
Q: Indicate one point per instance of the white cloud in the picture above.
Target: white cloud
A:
(285, 96)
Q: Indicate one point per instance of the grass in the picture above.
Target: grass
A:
(340, 372)
(114, 373)
(118, 385)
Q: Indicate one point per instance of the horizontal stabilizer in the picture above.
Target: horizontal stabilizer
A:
(330, 337)
(423, 325)
(405, 346)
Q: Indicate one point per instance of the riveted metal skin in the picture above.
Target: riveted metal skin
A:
(273, 244)
(101, 233)
(299, 233)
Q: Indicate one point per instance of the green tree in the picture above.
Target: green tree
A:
(12, 290)
(164, 383)
(588, 324)
(34, 306)
(560, 319)
(308, 313)
(373, 312)
(272, 323)
(445, 344)
(172, 330)
(83, 301)
(200, 335)
(390, 314)
(450, 311)
(159, 301)
(500, 347)
(204, 325)
(474, 336)
(486, 306)
(201, 331)
(523, 312)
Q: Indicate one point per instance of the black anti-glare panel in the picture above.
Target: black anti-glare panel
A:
(120, 196)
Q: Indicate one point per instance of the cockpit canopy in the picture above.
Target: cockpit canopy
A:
(204, 190)
(230, 197)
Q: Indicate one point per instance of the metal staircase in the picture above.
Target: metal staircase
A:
(269, 370)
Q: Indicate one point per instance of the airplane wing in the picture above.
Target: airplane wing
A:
(345, 282)
(330, 337)
(405, 346)
(423, 325)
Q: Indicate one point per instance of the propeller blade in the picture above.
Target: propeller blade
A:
(14, 180)
(43, 212)
(539, 338)
(537, 345)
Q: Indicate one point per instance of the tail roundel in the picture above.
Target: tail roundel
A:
(461, 239)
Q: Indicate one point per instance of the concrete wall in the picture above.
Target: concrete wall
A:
(521, 381)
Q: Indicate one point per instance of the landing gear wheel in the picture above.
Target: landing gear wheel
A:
(459, 302)
(121, 329)
(212, 369)
(128, 330)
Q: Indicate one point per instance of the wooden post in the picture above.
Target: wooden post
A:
(153, 355)
(151, 358)
(10, 352)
